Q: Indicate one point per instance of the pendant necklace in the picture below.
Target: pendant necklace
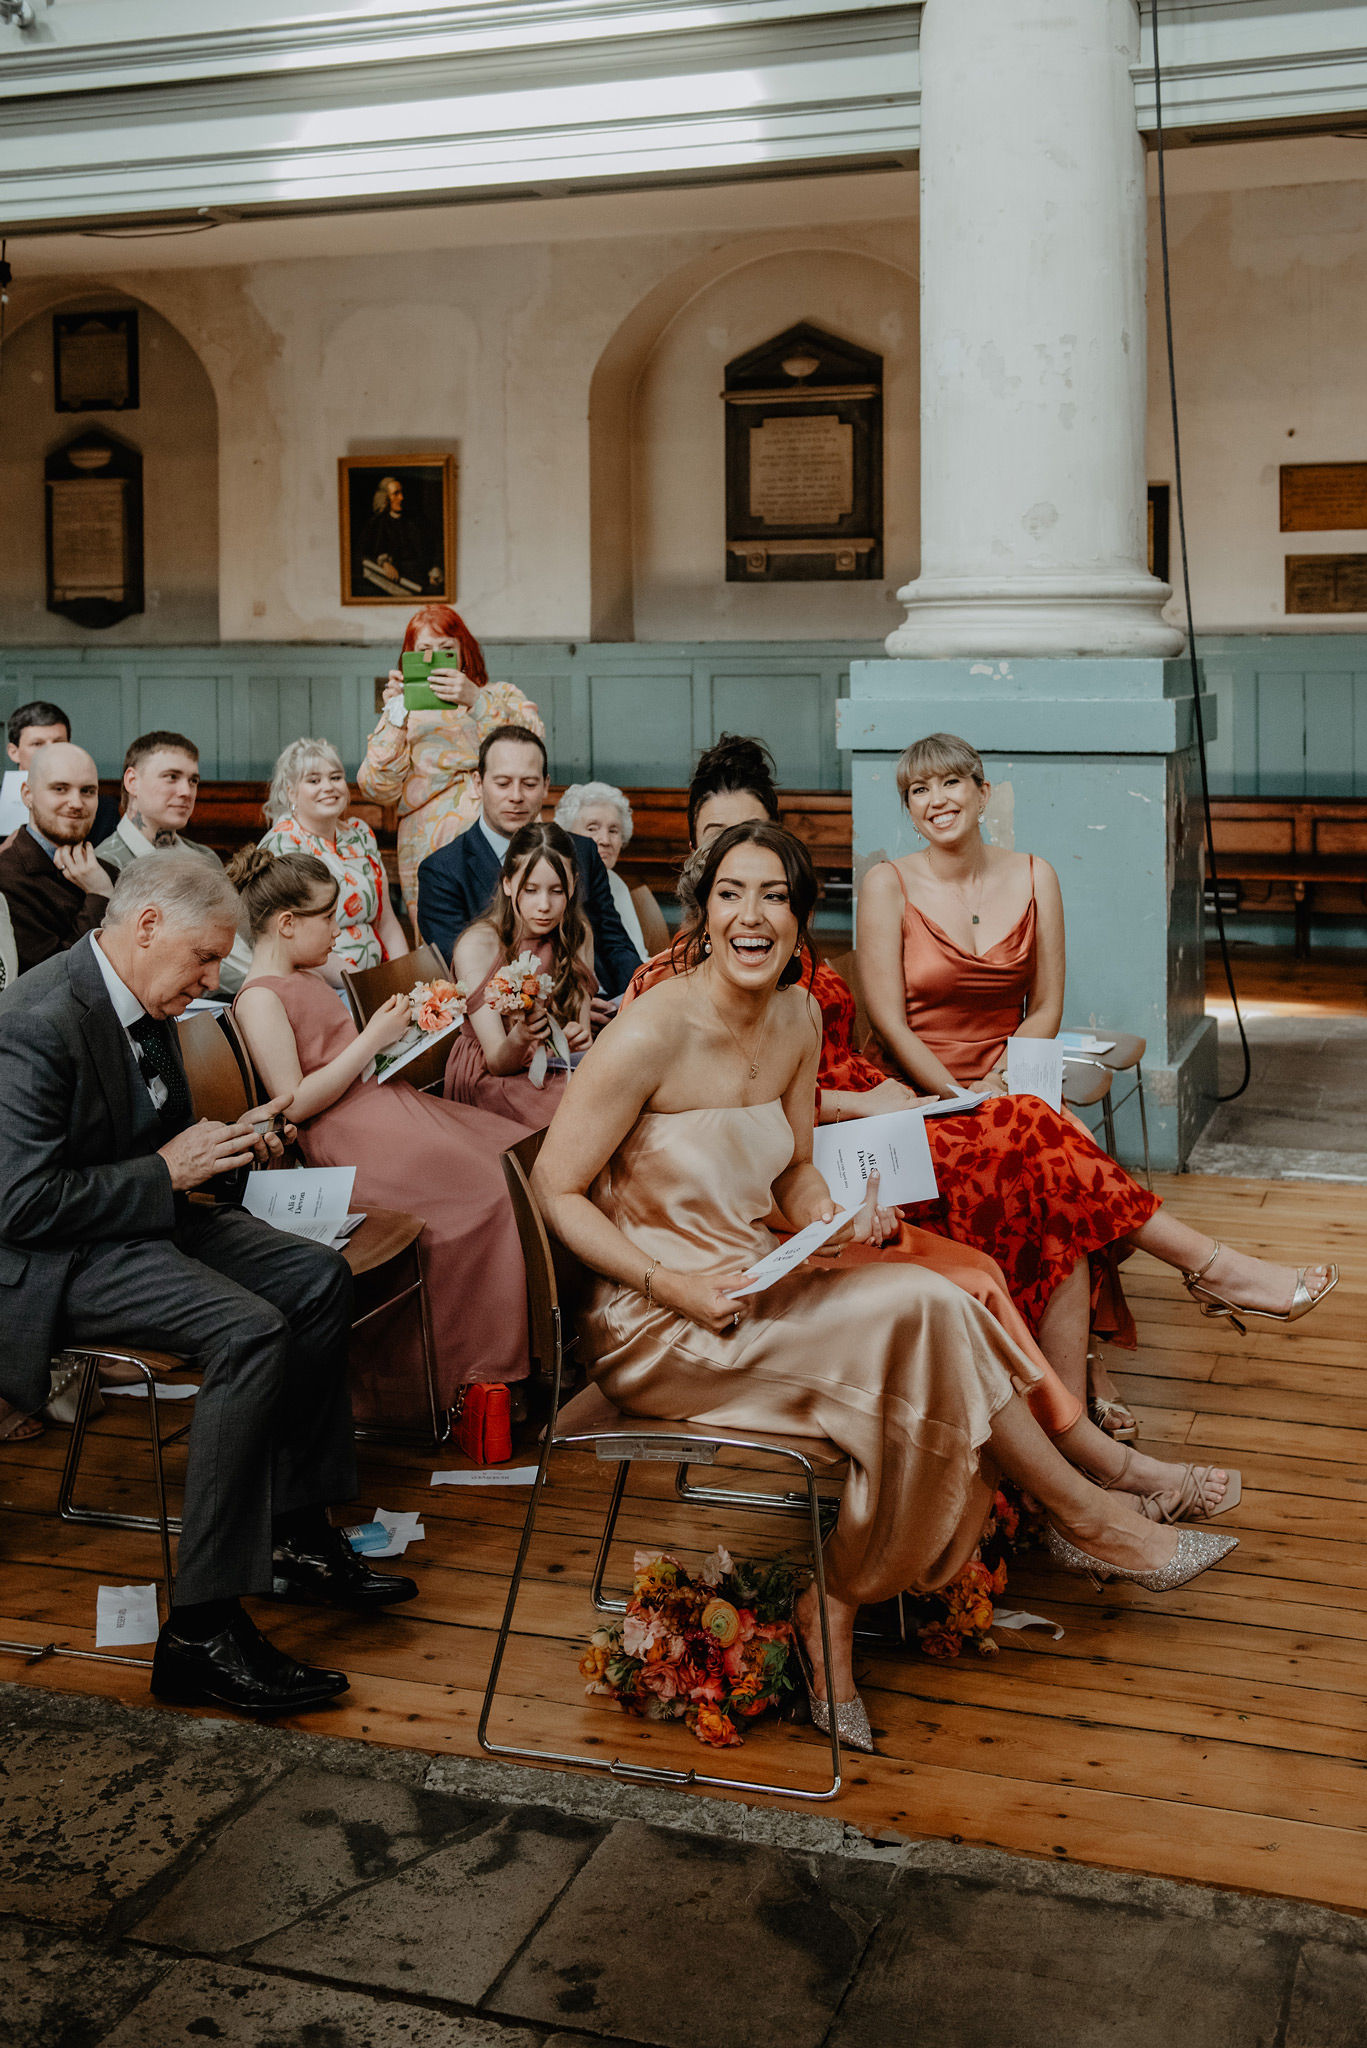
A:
(753, 1064)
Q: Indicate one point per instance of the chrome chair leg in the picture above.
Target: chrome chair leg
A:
(1143, 1124)
(1108, 1124)
(596, 1594)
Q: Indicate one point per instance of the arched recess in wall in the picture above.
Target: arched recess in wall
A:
(175, 426)
(656, 480)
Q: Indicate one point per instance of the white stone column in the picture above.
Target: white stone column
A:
(1033, 501)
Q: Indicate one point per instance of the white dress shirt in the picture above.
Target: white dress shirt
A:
(495, 839)
(128, 1010)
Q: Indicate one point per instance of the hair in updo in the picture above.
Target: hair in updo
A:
(271, 882)
(691, 947)
(940, 753)
(732, 766)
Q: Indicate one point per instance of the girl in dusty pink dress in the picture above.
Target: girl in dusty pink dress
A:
(535, 911)
(411, 1151)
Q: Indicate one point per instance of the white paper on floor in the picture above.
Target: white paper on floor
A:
(125, 1614)
(177, 1390)
(403, 1530)
(488, 1475)
(1005, 1617)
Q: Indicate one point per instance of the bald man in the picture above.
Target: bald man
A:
(54, 886)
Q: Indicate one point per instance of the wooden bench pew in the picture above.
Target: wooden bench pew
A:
(1298, 854)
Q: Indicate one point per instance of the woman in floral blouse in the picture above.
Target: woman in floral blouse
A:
(423, 760)
(306, 813)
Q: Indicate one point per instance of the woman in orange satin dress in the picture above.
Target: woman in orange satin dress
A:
(733, 784)
(944, 996)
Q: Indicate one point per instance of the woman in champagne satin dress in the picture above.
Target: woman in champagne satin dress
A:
(684, 1144)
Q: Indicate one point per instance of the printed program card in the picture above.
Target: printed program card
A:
(308, 1201)
(392, 1062)
(125, 1615)
(1082, 1041)
(896, 1148)
(1034, 1066)
(954, 1105)
(775, 1265)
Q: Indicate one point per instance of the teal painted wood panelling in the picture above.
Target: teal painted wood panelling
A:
(624, 712)
(1292, 713)
(1292, 707)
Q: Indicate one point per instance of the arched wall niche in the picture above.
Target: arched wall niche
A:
(176, 428)
(657, 466)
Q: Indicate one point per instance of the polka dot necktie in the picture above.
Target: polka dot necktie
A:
(157, 1058)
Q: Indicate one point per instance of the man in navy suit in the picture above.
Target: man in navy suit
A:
(456, 882)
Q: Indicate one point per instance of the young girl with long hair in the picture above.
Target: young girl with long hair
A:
(535, 910)
(410, 1150)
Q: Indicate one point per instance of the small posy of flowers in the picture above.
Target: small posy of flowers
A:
(514, 991)
(713, 1651)
(959, 1616)
(436, 1005)
(432, 1006)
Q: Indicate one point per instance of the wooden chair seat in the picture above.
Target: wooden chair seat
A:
(1127, 1052)
(369, 988)
(384, 1234)
(1085, 1081)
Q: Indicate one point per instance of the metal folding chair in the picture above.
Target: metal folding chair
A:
(122, 1364)
(623, 1443)
(1126, 1056)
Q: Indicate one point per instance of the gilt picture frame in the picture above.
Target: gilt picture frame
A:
(397, 528)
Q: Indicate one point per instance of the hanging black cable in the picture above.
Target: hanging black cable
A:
(1212, 867)
(6, 273)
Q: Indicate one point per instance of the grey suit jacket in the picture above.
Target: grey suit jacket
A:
(78, 1143)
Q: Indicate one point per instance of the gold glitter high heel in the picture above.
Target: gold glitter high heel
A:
(1212, 1304)
(1197, 1550)
(851, 1719)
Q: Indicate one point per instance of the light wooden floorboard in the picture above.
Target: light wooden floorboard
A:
(1217, 1735)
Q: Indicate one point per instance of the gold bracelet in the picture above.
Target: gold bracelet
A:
(650, 1275)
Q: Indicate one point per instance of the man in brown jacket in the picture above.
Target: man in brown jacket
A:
(55, 887)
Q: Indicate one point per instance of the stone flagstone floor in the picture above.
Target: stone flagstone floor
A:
(167, 1882)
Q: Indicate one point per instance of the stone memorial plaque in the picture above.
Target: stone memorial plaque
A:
(1323, 497)
(89, 544)
(95, 361)
(802, 470)
(1326, 583)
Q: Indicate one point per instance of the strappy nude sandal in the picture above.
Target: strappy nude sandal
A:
(1189, 1504)
(16, 1427)
(1114, 1418)
(1215, 1305)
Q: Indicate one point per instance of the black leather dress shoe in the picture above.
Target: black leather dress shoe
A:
(324, 1571)
(238, 1668)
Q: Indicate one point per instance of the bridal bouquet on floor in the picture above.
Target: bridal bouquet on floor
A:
(712, 1650)
(435, 1010)
(515, 991)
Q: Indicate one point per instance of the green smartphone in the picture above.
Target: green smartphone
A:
(418, 694)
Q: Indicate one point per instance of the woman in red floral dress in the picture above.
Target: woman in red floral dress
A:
(1022, 1181)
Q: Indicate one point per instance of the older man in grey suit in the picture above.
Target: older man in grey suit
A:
(99, 1242)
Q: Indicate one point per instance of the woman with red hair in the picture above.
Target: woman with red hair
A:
(423, 760)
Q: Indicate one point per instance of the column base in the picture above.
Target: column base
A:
(958, 617)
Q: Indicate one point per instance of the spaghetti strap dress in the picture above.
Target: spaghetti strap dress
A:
(469, 1080)
(902, 1371)
(1016, 1178)
(975, 1271)
(434, 1159)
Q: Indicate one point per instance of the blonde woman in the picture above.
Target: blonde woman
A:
(423, 761)
(306, 812)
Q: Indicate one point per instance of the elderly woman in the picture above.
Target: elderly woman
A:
(600, 812)
(423, 760)
(306, 812)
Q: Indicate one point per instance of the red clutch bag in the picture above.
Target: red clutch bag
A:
(484, 1426)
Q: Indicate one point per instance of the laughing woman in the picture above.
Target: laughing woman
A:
(684, 1143)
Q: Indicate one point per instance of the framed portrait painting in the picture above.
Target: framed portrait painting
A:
(398, 529)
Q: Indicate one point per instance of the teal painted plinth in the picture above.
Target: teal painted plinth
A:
(1092, 764)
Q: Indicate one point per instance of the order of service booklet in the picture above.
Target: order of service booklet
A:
(895, 1147)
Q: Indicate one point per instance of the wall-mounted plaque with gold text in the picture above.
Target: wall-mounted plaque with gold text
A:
(94, 530)
(804, 461)
(1323, 497)
(1326, 583)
